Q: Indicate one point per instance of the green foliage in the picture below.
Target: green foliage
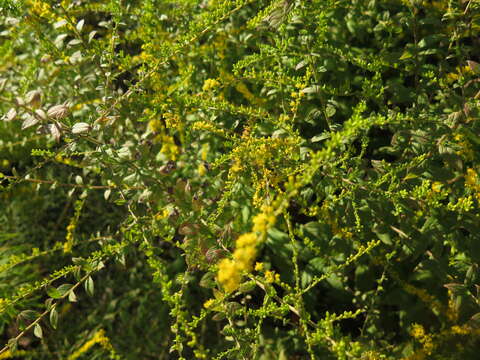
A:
(239, 179)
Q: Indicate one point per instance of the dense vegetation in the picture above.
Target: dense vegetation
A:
(239, 179)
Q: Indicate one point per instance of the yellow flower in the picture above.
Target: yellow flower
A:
(202, 170)
(244, 257)
(204, 153)
(417, 331)
(155, 125)
(208, 303)
(258, 266)
(471, 178)
(237, 166)
(271, 277)
(437, 186)
(210, 84)
(262, 222)
(248, 239)
(228, 275)
(169, 148)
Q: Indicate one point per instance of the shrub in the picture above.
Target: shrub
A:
(239, 179)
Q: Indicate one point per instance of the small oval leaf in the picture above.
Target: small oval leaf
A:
(89, 287)
(37, 331)
(29, 122)
(54, 318)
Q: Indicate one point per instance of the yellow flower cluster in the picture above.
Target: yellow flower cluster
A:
(208, 303)
(235, 168)
(228, 275)
(437, 186)
(98, 338)
(40, 8)
(272, 277)
(163, 214)
(465, 148)
(155, 126)
(206, 126)
(201, 169)
(210, 84)
(67, 161)
(8, 354)
(263, 221)
(68, 244)
(472, 182)
(169, 148)
(418, 332)
(230, 270)
(204, 153)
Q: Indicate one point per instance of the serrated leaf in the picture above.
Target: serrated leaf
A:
(54, 131)
(37, 331)
(54, 318)
(29, 122)
(40, 113)
(89, 287)
(10, 115)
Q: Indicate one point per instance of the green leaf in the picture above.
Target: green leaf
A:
(208, 280)
(53, 293)
(322, 136)
(475, 320)
(247, 287)
(37, 331)
(72, 297)
(89, 287)
(64, 288)
(312, 89)
(330, 110)
(54, 318)
(12, 345)
(28, 315)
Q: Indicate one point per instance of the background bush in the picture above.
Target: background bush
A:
(239, 179)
